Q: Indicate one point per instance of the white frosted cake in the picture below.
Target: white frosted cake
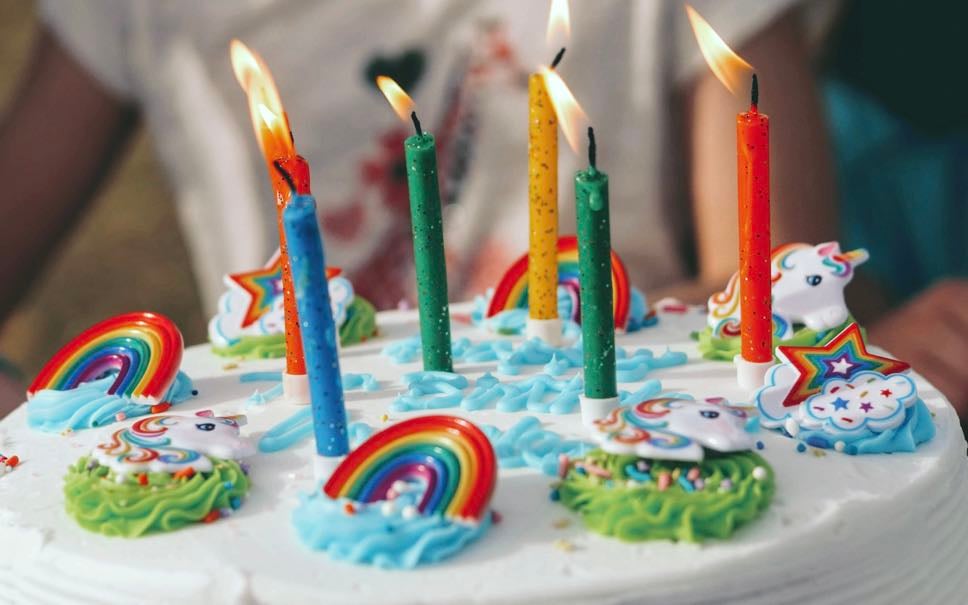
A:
(840, 528)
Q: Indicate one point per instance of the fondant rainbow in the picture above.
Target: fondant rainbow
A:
(512, 290)
(450, 455)
(144, 349)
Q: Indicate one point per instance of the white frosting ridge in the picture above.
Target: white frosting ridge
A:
(878, 528)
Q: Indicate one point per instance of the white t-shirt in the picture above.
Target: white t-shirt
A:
(465, 63)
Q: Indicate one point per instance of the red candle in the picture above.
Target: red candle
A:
(753, 176)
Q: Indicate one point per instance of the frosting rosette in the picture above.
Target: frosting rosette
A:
(158, 475)
(636, 499)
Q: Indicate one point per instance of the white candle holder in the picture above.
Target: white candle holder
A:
(547, 330)
(325, 466)
(751, 375)
(595, 408)
(295, 388)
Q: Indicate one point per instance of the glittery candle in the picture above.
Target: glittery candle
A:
(753, 176)
(595, 276)
(316, 325)
(428, 250)
(542, 202)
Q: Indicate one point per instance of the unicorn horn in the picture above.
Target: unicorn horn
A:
(856, 257)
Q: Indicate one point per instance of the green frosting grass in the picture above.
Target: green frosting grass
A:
(128, 509)
(360, 325)
(726, 349)
(643, 512)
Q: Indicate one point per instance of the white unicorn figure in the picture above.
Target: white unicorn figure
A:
(808, 289)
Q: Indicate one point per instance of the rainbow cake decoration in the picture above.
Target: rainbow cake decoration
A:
(504, 308)
(414, 493)
(840, 395)
(122, 367)
(160, 474)
(808, 306)
(250, 322)
(669, 469)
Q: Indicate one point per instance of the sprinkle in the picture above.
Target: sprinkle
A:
(235, 502)
(596, 470)
(400, 486)
(13, 461)
(839, 446)
(693, 473)
(387, 508)
(225, 512)
(212, 517)
(563, 461)
(143, 479)
(159, 408)
(496, 517)
(554, 495)
(561, 523)
(580, 469)
(409, 512)
(665, 480)
(185, 473)
(119, 479)
(564, 545)
(120, 416)
(642, 466)
(194, 392)
(675, 473)
(228, 485)
(760, 445)
(759, 473)
(699, 484)
(726, 485)
(230, 366)
(685, 484)
(384, 418)
(801, 447)
(819, 453)
(349, 509)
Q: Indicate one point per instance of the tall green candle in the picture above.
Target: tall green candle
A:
(428, 249)
(595, 274)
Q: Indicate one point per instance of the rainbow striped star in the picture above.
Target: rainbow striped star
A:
(843, 357)
(263, 286)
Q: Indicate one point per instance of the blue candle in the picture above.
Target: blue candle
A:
(317, 325)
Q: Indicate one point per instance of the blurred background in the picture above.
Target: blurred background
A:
(131, 224)
(889, 82)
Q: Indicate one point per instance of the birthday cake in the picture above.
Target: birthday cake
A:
(809, 526)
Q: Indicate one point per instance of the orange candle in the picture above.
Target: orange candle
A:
(753, 176)
(288, 173)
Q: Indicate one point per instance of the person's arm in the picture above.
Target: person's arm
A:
(802, 181)
(58, 138)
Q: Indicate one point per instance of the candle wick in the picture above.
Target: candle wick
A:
(755, 92)
(416, 123)
(558, 57)
(285, 175)
(592, 148)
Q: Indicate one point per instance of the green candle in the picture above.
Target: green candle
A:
(595, 274)
(428, 249)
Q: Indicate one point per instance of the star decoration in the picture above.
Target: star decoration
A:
(840, 404)
(840, 366)
(866, 406)
(843, 357)
(263, 287)
(886, 393)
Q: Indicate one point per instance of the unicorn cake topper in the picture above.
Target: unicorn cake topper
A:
(170, 443)
(808, 289)
(674, 429)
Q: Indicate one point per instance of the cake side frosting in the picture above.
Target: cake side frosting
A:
(886, 524)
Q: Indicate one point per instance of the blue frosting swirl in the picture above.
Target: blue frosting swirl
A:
(916, 428)
(89, 405)
(379, 535)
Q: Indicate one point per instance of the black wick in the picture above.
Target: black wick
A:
(416, 123)
(592, 148)
(285, 175)
(755, 91)
(557, 59)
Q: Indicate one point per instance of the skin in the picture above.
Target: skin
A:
(86, 133)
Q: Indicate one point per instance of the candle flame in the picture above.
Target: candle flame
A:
(559, 24)
(399, 100)
(265, 106)
(571, 116)
(728, 67)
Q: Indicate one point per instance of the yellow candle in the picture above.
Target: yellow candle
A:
(542, 202)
